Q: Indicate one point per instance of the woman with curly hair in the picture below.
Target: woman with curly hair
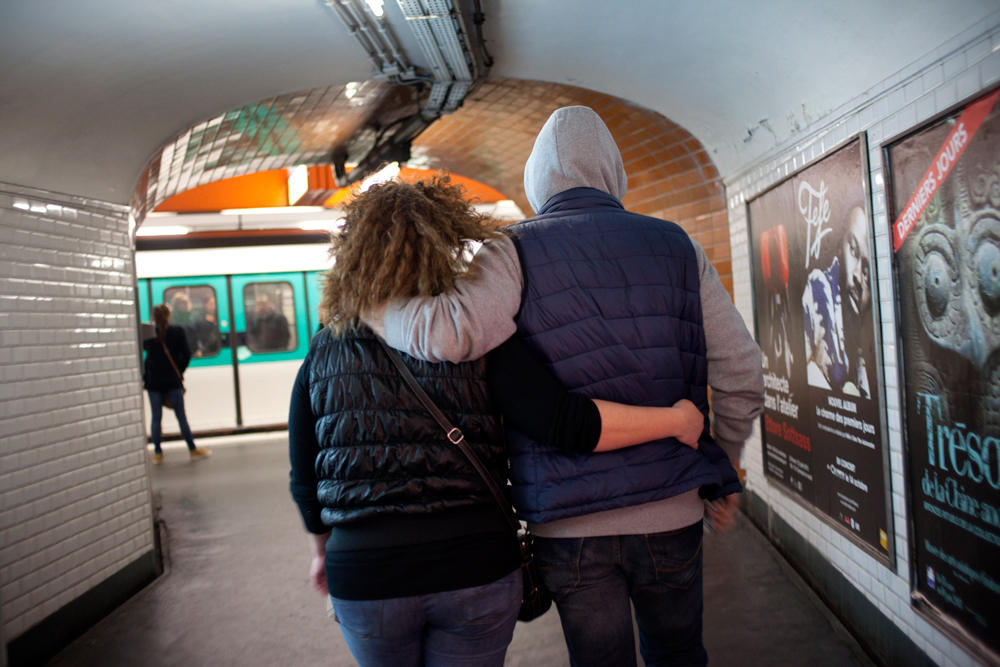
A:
(418, 559)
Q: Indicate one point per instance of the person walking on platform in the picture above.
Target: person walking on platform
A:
(622, 306)
(413, 548)
(167, 357)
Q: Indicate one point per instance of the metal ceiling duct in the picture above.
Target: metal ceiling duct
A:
(443, 36)
(388, 59)
(457, 64)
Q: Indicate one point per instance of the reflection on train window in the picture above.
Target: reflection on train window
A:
(270, 312)
(196, 310)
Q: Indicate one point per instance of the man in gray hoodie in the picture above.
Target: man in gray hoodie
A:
(621, 307)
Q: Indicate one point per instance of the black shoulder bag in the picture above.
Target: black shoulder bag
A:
(535, 600)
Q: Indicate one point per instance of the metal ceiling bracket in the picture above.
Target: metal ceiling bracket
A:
(382, 47)
(457, 60)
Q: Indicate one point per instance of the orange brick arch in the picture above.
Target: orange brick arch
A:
(670, 175)
(488, 140)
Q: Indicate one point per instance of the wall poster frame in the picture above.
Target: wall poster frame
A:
(943, 203)
(824, 431)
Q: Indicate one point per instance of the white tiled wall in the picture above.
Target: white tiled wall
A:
(74, 491)
(958, 69)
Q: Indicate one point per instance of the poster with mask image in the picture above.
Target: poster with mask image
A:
(823, 425)
(945, 204)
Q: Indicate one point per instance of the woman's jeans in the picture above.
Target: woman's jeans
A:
(593, 580)
(469, 627)
(156, 403)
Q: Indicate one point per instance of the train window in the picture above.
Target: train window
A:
(270, 311)
(196, 310)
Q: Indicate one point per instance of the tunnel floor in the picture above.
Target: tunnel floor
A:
(235, 588)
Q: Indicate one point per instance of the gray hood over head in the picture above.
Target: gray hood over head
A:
(574, 149)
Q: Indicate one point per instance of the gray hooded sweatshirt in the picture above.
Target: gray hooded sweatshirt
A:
(575, 149)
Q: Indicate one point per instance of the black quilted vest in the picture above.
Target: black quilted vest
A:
(381, 454)
(612, 305)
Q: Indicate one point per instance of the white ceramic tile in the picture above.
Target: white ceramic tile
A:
(960, 658)
(967, 83)
(977, 51)
(57, 413)
(989, 69)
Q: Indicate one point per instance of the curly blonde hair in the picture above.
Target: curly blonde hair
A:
(399, 240)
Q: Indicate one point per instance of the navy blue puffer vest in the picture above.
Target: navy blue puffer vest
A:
(381, 452)
(612, 306)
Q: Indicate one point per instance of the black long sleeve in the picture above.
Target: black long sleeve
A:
(183, 351)
(536, 403)
(159, 373)
(303, 448)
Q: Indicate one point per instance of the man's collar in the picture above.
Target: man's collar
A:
(579, 198)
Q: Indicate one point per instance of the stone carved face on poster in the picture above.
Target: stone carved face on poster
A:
(823, 427)
(945, 201)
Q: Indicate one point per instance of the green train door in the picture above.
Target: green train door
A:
(143, 297)
(272, 325)
(314, 292)
(201, 306)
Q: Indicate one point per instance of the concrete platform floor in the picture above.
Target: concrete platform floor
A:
(235, 588)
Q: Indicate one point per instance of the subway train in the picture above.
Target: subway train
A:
(249, 313)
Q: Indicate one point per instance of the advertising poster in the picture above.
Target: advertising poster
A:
(813, 266)
(945, 204)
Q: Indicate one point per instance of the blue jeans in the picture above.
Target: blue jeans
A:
(592, 580)
(156, 403)
(468, 627)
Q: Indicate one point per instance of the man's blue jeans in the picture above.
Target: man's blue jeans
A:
(471, 627)
(592, 580)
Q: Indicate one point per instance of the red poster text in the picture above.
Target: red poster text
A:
(788, 433)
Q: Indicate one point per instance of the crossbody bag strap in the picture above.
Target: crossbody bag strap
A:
(454, 434)
(171, 360)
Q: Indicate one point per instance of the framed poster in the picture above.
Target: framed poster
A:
(816, 308)
(944, 199)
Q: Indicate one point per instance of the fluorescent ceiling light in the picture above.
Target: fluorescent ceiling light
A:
(298, 183)
(327, 225)
(272, 210)
(387, 173)
(165, 230)
(376, 6)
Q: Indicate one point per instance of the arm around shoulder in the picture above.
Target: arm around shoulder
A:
(465, 323)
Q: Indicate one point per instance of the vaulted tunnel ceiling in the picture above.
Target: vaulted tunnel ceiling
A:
(90, 91)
